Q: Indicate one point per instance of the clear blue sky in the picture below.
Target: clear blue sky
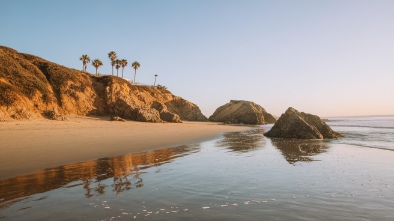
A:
(330, 58)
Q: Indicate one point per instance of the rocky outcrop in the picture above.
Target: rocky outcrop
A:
(53, 115)
(185, 109)
(300, 125)
(30, 85)
(165, 114)
(245, 112)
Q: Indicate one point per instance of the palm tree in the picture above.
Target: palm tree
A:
(97, 63)
(112, 56)
(154, 84)
(135, 65)
(117, 66)
(85, 59)
(123, 63)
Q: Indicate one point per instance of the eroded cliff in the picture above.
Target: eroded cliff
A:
(30, 86)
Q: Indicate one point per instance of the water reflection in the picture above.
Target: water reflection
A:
(295, 150)
(243, 141)
(125, 172)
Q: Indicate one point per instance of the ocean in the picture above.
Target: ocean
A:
(369, 131)
(239, 176)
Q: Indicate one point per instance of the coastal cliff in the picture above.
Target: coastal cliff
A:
(31, 86)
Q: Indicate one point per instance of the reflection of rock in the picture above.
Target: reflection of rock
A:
(245, 112)
(243, 141)
(293, 124)
(94, 176)
(295, 150)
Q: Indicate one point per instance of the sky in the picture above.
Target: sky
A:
(326, 57)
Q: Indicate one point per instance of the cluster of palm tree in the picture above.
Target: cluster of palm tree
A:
(117, 63)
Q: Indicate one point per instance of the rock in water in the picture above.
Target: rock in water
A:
(245, 112)
(293, 124)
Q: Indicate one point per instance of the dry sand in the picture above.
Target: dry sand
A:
(27, 146)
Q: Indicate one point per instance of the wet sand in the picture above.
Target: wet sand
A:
(28, 146)
(239, 176)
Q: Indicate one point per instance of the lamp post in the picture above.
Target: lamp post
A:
(154, 84)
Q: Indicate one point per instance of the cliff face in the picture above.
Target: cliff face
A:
(29, 86)
(245, 112)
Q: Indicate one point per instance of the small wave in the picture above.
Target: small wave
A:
(368, 146)
(377, 127)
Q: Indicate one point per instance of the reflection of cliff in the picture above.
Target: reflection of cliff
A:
(243, 141)
(124, 170)
(295, 150)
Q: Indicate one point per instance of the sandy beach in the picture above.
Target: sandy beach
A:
(27, 146)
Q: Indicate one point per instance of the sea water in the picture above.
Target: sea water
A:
(239, 176)
(369, 131)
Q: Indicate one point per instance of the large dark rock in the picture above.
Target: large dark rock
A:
(245, 112)
(293, 124)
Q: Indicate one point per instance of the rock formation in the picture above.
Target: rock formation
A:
(30, 85)
(245, 112)
(185, 109)
(293, 124)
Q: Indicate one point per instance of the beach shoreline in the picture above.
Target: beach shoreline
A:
(28, 146)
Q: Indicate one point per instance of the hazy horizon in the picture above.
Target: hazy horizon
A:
(329, 58)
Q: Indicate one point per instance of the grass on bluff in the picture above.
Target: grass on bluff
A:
(59, 76)
(22, 76)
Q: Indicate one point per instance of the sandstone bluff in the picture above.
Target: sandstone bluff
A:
(293, 124)
(31, 86)
(245, 112)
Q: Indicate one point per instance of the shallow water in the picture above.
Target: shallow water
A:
(369, 131)
(241, 176)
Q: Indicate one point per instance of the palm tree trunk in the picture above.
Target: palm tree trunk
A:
(154, 84)
(112, 70)
(96, 71)
(135, 72)
(117, 71)
(122, 72)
